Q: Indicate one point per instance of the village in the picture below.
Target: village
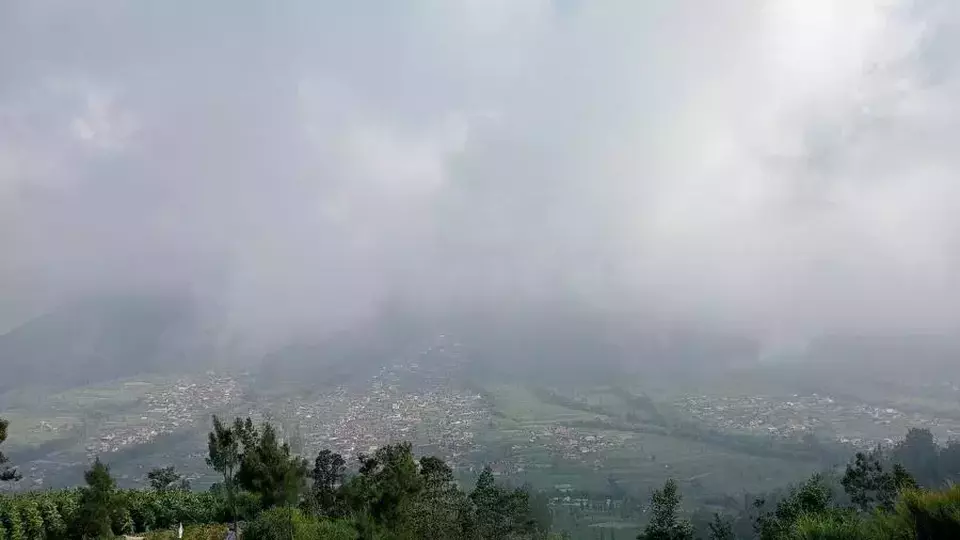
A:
(859, 424)
(168, 409)
(421, 398)
(413, 399)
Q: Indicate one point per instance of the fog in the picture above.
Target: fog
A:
(784, 168)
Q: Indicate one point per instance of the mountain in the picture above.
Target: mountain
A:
(100, 339)
(555, 344)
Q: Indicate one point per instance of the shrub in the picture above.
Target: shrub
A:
(10, 520)
(933, 514)
(286, 523)
(32, 519)
(828, 526)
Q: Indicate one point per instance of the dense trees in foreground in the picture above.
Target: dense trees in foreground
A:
(876, 498)
(392, 496)
(273, 494)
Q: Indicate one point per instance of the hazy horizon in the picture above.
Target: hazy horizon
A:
(780, 169)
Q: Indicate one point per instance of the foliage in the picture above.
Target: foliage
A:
(812, 497)
(151, 510)
(132, 511)
(97, 502)
(828, 526)
(918, 454)
(329, 473)
(285, 523)
(720, 528)
(869, 486)
(397, 496)
(167, 478)
(933, 514)
(223, 449)
(665, 522)
(255, 460)
(7, 473)
(268, 468)
(501, 512)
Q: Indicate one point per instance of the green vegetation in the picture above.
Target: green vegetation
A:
(395, 495)
(167, 478)
(665, 523)
(7, 473)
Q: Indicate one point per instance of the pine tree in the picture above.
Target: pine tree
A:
(97, 502)
(665, 522)
(720, 528)
(269, 469)
(7, 473)
(328, 474)
(224, 453)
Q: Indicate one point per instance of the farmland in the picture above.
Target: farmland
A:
(595, 449)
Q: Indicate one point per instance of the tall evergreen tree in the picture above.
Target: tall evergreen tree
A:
(720, 528)
(501, 512)
(329, 472)
(269, 469)
(665, 521)
(7, 473)
(919, 455)
(223, 455)
(389, 482)
(97, 502)
(438, 506)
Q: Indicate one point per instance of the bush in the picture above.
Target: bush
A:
(828, 526)
(150, 510)
(286, 523)
(889, 526)
(933, 514)
(11, 524)
(32, 519)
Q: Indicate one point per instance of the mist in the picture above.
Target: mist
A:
(783, 169)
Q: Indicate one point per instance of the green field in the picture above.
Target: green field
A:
(639, 458)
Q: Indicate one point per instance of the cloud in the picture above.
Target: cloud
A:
(779, 167)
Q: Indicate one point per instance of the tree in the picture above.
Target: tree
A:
(167, 478)
(919, 455)
(329, 472)
(720, 528)
(812, 497)
(665, 522)
(7, 473)
(97, 502)
(950, 461)
(863, 481)
(501, 512)
(387, 485)
(224, 454)
(268, 468)
(437, 507)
